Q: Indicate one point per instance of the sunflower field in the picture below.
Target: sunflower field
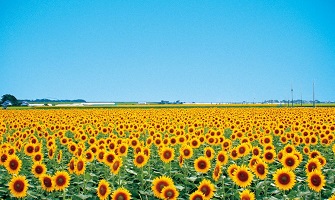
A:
(168, 153)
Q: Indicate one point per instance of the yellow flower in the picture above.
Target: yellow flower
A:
(18, 186)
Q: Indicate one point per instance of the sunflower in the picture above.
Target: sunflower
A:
(3, 158)
(209, 152)
(234, 154)
(253, 160)
(38, 169)
(284, 179)
(140, 160)
(269, 156)
(316, 180)
(207, 188)
(231, 170)
(290, 161)
(197, 195)
(332, 197)
(322, 160)
(169, 192)
(195, 143)
(289, 148)
(242, 150)
(166, 154)
(222, 158)
(109, 158)
(313, 164)
(186, 151)
(61, 180)
(260, 169)
(121, 193)
(13, 164)
(38, 157)
(101, 155)
(47, 182)
(18, 186)
(89, 156)
(123, 149)
(242, 176)
(59, 156)
(29, 149)
(202, 164)
(72, 165)
(116, 165)
(217, 172)
(159, 183)
(247, 195)
(80, 166)
(103, 189)
(256, 151)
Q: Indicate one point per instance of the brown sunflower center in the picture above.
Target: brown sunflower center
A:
(116, 165)
(289, 162)
(123, 149)
(187, 152)
(161, 185)
(234, 153)
(19, 186)
(311, 166)
(72, 165)
(101, 155)
(139, 159)
(241, 150)
(255, 152)
(110, 158)
(316, 180)
(261, 169)
(205, 190)
(80, 165)
(169, 194)
(30, 149)
(13, 164)
(60, 180)
(167, 154)
(243, 176)
(202, 164)
(208, 153)
(47, 182)
(121, 197)
(102, 190)
(289, 149)
(198, 197)
(39, 169)
(221, 158)
(3, 158)
(269, 156)
(88, 155)
(38, 157)
(245, 198)
(284, 179)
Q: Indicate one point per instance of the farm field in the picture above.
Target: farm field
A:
(168, 153)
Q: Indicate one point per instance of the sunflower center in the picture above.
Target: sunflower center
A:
(256, 152)
(116, 165)
(241, 150)
(167, 154)
(102, 190)
(80, 165)
(3, 158)
(60, 180)
(72, 165)
(290, 162)
(289, 150)
(161, 185)
(245, 198)
(205, 189)
(234, 153)
(121, 197)
(47, 182)
(243, 176)
(284, 179)
(269, 156)
(13, 164)
(186, 152)
(110, 158)
(202, 165)
(260, 169)
(30, 149)
(19, 186)
(38, 169)
(122, 149)
(139, 159)
(316, 180)
(208, 153)
(169, 194)
(88, 156)
(101, 155)
(311, 166)
(198, 198)
(221, 158)
(37, 157)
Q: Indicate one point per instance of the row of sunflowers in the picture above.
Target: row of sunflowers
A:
(175, 153)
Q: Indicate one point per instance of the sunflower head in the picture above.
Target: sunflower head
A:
(18, 186)
(169, 192)
(47, 182)
(247, 195)
(207, 188)
(121, 193)
(242, 176)
(284, 179)
(103, 189)
(38, 169)
(61, 180)
(316, 180)
(159, 183)
(202, 164)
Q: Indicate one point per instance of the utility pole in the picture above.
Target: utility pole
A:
(313, 95)
(292, 94)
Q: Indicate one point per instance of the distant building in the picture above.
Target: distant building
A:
(6, 104)
(24, 103)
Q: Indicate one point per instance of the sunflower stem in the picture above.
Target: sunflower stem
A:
(223, 189)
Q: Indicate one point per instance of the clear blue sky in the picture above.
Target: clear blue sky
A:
(204, 51)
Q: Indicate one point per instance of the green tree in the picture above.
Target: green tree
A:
(11, 98)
